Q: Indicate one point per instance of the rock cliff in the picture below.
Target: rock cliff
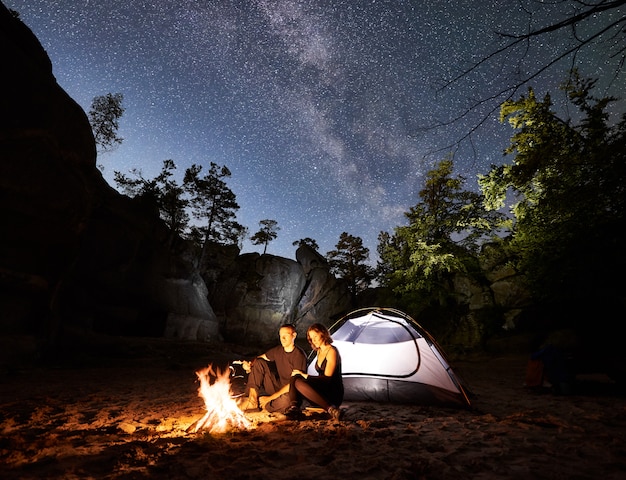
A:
(77, 255)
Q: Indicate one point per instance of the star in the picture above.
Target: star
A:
(324, 112)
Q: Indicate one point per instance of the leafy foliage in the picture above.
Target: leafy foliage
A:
(307, 241)
(570, 182)
(104, 115)
(348, 262)
(267, 233)
(442, 238)
(213, 202)
(163, 190)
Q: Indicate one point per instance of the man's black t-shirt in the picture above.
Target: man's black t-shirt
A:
(287, 362)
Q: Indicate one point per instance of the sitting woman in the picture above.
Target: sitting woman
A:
(325, 389)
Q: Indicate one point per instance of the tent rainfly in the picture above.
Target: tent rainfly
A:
(387, 356)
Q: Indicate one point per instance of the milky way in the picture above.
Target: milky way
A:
(321, 110)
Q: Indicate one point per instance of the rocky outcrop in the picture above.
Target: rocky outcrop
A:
(255, 294)
(324, 298)
(310, 259)
(48, 180)
(74, 252)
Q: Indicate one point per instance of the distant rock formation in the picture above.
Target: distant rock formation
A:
(325, 297)
(253, 294)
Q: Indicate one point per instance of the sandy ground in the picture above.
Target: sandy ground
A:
(122, 411)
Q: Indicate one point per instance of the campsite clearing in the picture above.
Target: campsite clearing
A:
(125, 416)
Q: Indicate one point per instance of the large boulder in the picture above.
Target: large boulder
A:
(133, 277)
(215, 260)
(190, 315)
(309, 258)
(253, 295)
(256, 295)
(468, 291)
(324, 299)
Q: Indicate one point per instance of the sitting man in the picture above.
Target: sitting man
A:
(262, 380)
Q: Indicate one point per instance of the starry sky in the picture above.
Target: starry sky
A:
(328, 113)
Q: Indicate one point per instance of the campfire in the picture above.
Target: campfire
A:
(222, 411)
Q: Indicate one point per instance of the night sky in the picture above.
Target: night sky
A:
(320, 109)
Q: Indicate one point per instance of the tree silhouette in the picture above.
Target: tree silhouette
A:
(266, 234)
(569, 179)
(600, 24)
(214, 203)
(104, 115)
(348, 262)
(307, 241)
(210, 199)
(163, 190)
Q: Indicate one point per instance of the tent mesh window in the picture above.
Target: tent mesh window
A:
(374, 332)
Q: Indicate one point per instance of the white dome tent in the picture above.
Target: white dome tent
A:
(388, 357)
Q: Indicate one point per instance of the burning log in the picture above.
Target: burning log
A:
(222, 411)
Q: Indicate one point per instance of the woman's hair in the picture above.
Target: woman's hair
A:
(322, 331)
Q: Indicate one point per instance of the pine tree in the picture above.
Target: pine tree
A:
(214, 203)
(267, 233)
(348, 262)
(104, 115)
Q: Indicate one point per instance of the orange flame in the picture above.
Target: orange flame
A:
(222, 411)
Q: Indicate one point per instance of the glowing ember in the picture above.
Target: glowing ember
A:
(222, 412)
